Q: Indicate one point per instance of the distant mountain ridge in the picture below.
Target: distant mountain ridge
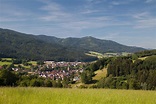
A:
(90, 44)
(42, 47)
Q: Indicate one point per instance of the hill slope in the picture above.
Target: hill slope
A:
(19, 45)
(41, 47)
(91, 44)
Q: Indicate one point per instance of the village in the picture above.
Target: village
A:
(59, 70)
(45, 69)
(54, 70)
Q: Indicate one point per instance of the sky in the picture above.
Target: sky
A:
(129, 22)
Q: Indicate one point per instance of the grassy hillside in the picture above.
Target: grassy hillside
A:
(100, 74)
(75, 96)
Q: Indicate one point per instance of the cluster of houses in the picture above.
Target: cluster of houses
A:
(60, 70)
(55, 70)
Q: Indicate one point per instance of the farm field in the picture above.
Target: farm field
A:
(6, 61)
(23, 95)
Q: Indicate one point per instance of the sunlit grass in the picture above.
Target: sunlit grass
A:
(8, 59)
(33, 62)
(75, 96)
(5, 63)
(142, 58)
(100, 74)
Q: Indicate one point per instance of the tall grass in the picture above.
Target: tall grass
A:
(75, 96)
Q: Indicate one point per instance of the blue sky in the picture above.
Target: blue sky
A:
(129, 22)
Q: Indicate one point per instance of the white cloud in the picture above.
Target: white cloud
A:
(9, 12)
(77, 21)
(116, 3)
(88, 11)
(149, 1)
(68, 20)
(111, 36)
(146, 23)
(7, 19)
(141, 15)
(144, 20)
(121, 2)
(54, 12)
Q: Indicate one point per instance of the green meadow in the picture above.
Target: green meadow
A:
(23, 95)
(4, 63)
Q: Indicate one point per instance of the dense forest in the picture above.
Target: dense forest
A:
(25, 46)
(127, 73)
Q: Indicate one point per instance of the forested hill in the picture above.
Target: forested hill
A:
(90, 44)
(136, 71)
(41, 47)
(19, 45)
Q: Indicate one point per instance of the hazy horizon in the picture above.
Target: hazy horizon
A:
(128, 22)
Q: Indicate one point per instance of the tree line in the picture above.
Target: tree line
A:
(11, 78)
(126, 73)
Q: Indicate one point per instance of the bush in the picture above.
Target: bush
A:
(82, 86)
